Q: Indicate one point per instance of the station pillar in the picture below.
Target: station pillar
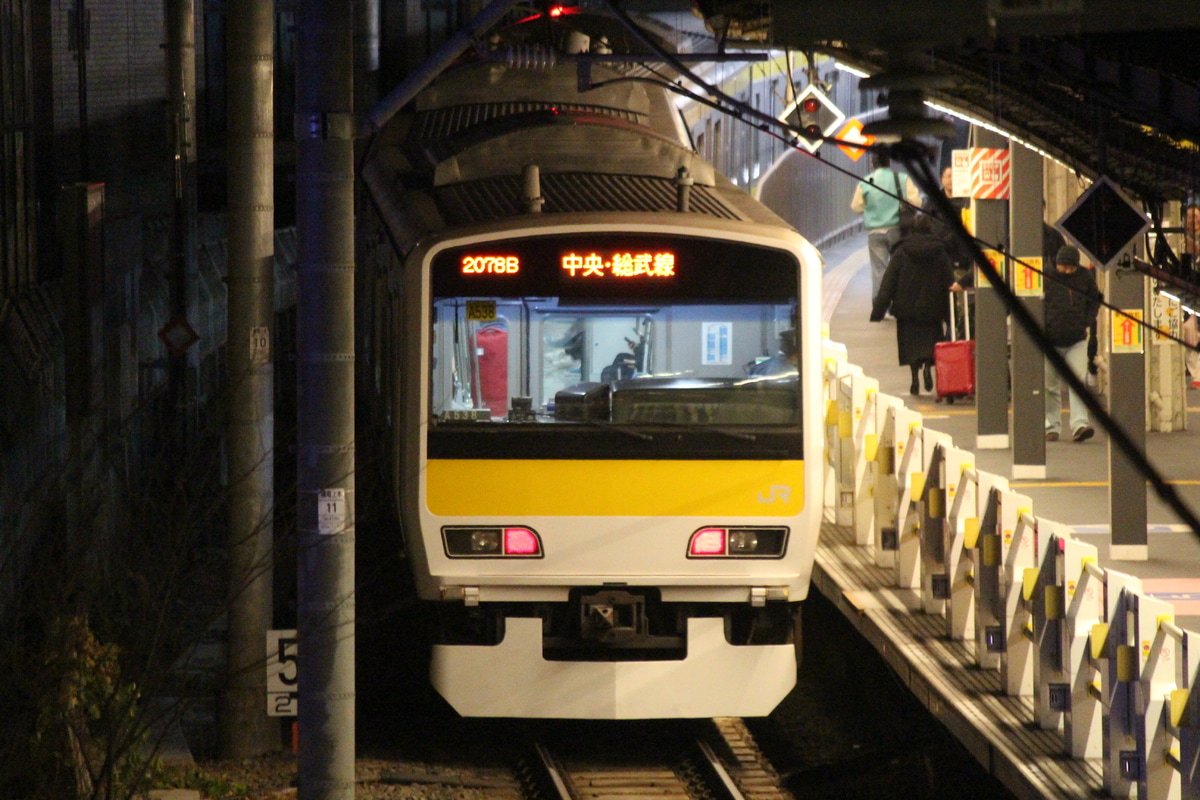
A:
(1127, 407)
(1028, 364)
(990, 224)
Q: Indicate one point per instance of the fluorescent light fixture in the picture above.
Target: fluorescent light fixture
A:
(858, 73)
(1188, 310)
(939, 107)
(989, 126)
(1168, 295)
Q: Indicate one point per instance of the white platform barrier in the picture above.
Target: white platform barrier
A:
(1104, 663)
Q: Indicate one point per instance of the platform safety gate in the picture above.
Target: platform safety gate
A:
(1103, 663)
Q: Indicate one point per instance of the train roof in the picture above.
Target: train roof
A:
(457, 156)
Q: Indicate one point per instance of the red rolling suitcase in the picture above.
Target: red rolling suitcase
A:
(955, 360)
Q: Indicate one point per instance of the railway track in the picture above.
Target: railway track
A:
(718, 761)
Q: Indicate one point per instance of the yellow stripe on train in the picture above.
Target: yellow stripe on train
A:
(483, 487)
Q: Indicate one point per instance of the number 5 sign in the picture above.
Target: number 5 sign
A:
(282, 651)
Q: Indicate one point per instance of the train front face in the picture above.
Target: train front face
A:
(612, 466)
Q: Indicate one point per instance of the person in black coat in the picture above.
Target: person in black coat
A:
(1070, 308)
(960, 255)
(914, 289)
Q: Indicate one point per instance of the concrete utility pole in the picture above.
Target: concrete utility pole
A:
(324, 133)
(246, 730)
(181, 97)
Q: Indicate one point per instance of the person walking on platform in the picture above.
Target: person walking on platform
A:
(877, 198)
(1191, 331)
(1071, 304)
(948, 233)
(914, 288)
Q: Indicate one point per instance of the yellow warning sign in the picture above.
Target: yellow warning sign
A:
(1027, 276)
(996, 259)
(1126, 327)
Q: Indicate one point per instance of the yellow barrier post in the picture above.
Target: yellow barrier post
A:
(960, 481)
(1017, 552)
(845, 452)
(833, 355)
(887, 492)
(934, 583)
(1051, 688)
(1124, 762)
(1084, 601)
(911, 462)
(858, 494)
(1158, 652)
(1187, 720)
(989, 635)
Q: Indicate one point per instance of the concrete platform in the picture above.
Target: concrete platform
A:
(999, 730)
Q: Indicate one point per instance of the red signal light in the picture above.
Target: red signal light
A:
(810, 117)
(556, 11)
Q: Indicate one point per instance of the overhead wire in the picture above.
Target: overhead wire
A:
(1045, 272)
(912, 154)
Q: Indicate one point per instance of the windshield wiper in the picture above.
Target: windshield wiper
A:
(694, 428)
(612, 426)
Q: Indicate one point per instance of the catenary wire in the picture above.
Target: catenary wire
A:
(912, 155)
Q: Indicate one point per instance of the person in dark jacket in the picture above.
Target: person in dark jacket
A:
(1070, 307)
(948, 233)
(914, 288)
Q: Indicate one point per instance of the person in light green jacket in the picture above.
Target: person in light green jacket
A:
(877, 198)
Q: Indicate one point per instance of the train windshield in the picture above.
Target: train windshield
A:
(612, 332)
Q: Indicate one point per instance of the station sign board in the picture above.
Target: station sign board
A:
(282, 653)
(1166, 317)
(981, 173)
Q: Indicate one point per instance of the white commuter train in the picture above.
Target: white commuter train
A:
(607, 371)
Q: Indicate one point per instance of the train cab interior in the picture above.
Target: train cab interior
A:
(551, 360)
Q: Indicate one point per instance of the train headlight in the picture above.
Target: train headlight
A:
(485, 542)
(741, 542)
(498, 541)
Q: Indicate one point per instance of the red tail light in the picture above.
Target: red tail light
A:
(521, 542)
(708, 542)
